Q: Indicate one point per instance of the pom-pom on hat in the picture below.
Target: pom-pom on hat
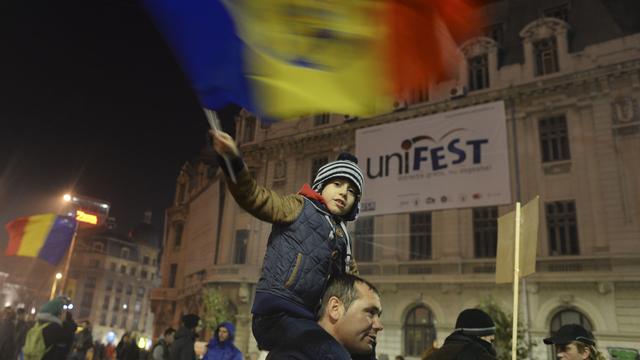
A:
(475, 322)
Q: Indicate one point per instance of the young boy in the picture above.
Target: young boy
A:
(308, 243)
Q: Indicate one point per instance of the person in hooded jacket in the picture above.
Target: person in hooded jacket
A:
(221, 346)
(471, 339)
(183, 345)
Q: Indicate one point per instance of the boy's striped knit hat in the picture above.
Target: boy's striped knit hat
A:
(346, 166)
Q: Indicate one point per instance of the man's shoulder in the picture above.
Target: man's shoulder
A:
(314, 344)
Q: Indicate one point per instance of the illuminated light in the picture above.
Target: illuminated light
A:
(124, 306)
(86, 217)
(142, 343)
(70, 306)
(66, 197)
(111, 337)
(7, 304)
(33, 311)
(64, 307)
(58, 276)
(105, 206)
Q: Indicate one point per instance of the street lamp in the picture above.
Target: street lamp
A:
(55, 285)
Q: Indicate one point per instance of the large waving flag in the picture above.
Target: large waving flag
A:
(283, 58)
(45, 236)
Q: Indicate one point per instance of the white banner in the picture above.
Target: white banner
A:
(441, 161)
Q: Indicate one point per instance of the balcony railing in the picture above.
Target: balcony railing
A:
(551, 264)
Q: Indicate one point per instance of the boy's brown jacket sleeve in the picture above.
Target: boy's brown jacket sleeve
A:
(265, 204)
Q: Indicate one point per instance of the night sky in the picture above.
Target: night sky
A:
(92, 101)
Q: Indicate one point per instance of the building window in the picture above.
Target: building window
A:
(559, 12)
(124, 322)
(114, 320)
(173, 272)
(240, 254)
(485, 231)
(123, 269)
(569, 316)
(116, 304)
(546, 55)
(118, 287)
(562, 228)
(109, 285)
(316, 164)
(420, 240)
(478, 72)
(178, 228)
(124, 253)
(364, 239)
(103, 319)
(145, 260)
(97, 246)
(419, 330)
(105, 302)
(554, 139)
(133, 271)
(153, 262)
(112, 266)
(249, 129)
(94, 263)
(280, 171)
(321, 119)
(129, 290)
(182, 191)
(419, 96)
(143, 274)
(141, 292)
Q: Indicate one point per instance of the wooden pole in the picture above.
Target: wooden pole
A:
(67, 263)
(214, 123)
(516, 283)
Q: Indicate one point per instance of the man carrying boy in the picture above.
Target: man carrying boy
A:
(308, 243)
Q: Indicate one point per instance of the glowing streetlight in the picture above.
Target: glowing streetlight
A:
(55, 285)
(124, 306)
(33, 311)
(58, 276)
(66, 197)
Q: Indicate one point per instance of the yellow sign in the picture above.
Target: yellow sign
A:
(86, 217)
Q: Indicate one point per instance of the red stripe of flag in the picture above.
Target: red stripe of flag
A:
(16, 230)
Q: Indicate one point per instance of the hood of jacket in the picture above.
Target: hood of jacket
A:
(215, 341)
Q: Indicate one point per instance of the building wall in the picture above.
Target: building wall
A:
(597, 89)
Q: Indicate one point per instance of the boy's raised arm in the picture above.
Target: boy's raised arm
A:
(265, 204)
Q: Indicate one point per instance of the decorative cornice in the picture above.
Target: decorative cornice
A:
(478, 46)
(544, 28)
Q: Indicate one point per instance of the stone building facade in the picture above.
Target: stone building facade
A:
(111, 276)
(571, 94)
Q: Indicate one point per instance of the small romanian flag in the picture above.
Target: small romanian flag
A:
(45, 236)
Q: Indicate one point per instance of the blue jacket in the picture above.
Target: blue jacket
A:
(217, 350)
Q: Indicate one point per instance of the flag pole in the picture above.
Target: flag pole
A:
(516, 283)
(53, 288)
(214, 123)
(67, 263)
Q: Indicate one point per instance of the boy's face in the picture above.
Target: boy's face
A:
(339, 194)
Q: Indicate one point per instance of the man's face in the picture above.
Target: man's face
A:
(170, 337)
(570, 352)
(358, 327)
(223, 334)
(339, 194)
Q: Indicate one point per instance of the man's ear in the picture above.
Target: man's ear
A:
(335, 309)
(587, 352)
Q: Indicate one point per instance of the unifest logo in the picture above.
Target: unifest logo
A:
(424, 153)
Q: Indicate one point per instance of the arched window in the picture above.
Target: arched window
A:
(569, 316)
(419, 330)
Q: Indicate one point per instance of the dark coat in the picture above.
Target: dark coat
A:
(314, 344)
(217, 350)
(57, 335)
(462, 347)
(7, 340)
(183, 345)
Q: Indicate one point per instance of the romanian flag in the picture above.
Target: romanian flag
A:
(45, 236)
(285, 58)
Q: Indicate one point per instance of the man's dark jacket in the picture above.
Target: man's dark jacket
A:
(462, 347)
(183, 345)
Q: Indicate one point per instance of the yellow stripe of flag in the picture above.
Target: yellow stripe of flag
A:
(35, 234)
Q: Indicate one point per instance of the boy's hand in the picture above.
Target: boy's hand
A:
(224, 144)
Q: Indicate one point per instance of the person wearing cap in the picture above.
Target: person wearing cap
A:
(182, 347)
(56, 333)
(574, 342)
(308, 244)
(472, 339)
